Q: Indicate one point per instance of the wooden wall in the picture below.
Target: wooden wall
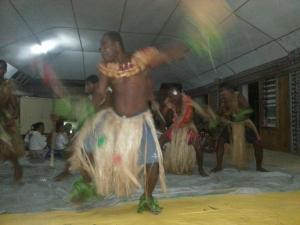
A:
(273, 138)
(279, 138)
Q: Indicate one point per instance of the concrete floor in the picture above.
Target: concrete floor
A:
(38, 192)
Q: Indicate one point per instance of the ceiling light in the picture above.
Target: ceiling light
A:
(43, 48)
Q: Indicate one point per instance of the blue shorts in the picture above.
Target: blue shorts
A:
(147, 144)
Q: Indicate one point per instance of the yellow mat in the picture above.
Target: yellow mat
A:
(260, 209)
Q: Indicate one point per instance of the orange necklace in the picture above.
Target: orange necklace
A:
(138, 63)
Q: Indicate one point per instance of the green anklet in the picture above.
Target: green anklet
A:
(82, 191)
(150, 204)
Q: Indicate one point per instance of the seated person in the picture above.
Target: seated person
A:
(27, 137)
(61, 140)
(37, 143)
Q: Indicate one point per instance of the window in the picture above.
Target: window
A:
(295, 111)
(270, 103)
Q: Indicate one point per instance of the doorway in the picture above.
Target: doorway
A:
(253, 96)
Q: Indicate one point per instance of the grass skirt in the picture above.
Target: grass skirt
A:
(179, 156)
(240, 154)
(11, 144)
(115, 167)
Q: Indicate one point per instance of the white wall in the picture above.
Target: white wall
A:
(34, 110)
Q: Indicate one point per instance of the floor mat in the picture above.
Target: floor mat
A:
(39, 193)
(257, 209)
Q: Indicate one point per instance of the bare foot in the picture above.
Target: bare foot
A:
(18, 173)
(78, 201)
(260, 169)
(61, 176)
(217, 169)
(203, 173)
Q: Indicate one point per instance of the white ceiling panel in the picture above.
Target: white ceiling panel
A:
(275, 17)
(163, 40)
(205, 82)
(176, 23)
(147, 16)
(162, 71)
(195, 82)
(99, 14)
(134, 42)
(12, 26)
(181, 70)
(263, 55)
(91, 60)
(238, 38)
(199, 63)
(217, 73)
(162, 74)
(74, 70)
(19, 54)
(45, 14)
(91, 39)
(291, 41)
(236, 32)
(195, 13)
(209, 77)
(192, 64)
(63, 38)
(234, 4)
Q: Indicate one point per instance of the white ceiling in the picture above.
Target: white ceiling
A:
(251, 32)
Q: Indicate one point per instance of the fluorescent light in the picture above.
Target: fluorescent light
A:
(43, 48)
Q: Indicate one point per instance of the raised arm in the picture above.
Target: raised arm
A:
(151, 57)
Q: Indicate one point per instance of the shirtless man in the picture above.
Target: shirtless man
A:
(251, 134)
(11, 144)
(122, 139)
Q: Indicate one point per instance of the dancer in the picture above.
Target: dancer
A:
(186, 144)
(11, 143)
(120, 142)
(91, 84)
(234, 113)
